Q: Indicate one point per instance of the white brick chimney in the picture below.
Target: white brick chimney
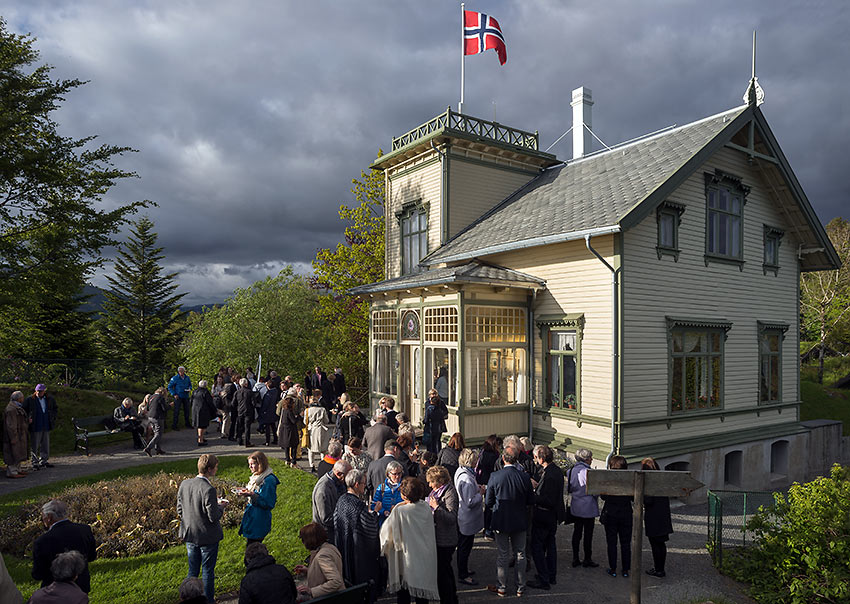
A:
(582, 122)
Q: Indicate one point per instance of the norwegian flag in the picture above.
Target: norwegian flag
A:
(482, 32)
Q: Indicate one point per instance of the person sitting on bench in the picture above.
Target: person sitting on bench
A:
(127, 420)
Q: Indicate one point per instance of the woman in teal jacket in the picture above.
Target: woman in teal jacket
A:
(262, 494)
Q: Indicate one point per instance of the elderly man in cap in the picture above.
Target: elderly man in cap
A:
(41, 410)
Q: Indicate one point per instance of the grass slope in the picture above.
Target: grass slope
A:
(154, 578)
(75, 403)
(824, 403)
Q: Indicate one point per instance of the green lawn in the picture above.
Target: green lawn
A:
(154, 578)
(75, 403)
(824, 403)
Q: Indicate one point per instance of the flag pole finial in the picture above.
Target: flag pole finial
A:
(754, 96)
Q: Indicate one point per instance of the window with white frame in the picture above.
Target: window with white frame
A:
(724, 230)
(384, 351)
(696, 361)
(772, 239)
(413, 222)
(496, 353)
(561, 337)
(441, 336)
(770, 361)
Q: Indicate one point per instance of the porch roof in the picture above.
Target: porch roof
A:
(475, 272)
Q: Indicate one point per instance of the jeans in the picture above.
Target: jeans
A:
(187, 407)
(544, 552)
(510, 545)
(158, 425)
(202, 559)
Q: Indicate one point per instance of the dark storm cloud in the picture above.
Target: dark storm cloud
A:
(251, 118)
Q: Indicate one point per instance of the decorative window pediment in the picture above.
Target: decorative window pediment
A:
(574, 320)
(725, 197)
(669, 217)
(687, 323)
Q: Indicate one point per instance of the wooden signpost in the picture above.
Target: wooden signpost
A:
(638, 483)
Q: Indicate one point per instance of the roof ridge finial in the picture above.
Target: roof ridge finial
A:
(754, 96)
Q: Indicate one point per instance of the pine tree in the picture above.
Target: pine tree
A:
(141, 319)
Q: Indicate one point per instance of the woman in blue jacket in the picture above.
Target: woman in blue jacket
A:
(262, 494)
(388, 493)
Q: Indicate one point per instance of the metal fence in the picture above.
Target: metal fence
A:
(81, 373)
(728, 514)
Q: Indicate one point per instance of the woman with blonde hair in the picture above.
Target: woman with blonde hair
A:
(470, 512)
(262, 497)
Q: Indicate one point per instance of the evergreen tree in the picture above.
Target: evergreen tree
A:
(141, 322)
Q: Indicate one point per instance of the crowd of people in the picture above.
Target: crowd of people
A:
(392, 509)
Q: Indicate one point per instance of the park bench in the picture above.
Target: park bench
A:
(84, 429)
(357, 594)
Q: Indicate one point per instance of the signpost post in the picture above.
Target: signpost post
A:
(660, 483)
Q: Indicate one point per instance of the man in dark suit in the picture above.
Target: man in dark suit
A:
(376, 473)
(509, 492)
(62, 536)
(375, 437)
(548, 511)
(200, 514)
(42, 411)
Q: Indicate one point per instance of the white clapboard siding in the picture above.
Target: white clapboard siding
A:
(474, 188)
(688, 288)
(576, 282)
(413, 184)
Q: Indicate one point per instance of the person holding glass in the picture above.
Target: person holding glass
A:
(262, 496)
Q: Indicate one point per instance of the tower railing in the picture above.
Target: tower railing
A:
(465, 124)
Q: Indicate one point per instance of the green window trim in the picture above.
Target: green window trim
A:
(564, 325)
(695, 364)
(772, 241)
(413, 216)
(771, 335)
(725, 198)
(668, 217)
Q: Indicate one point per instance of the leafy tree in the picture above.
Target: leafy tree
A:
(141, 317)
(273, 317)
(825, 295)
(357, 261)
(47, 180)
(801, 553)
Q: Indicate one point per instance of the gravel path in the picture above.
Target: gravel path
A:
(690, 576)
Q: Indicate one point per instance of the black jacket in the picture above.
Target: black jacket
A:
(656, 516)
(203, 408)
(549, 497)
(245, 402)
(30, 404)
(266, 583)
(157, 407)
(62, 537)
(339, 384)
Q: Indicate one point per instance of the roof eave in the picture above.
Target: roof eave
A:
(525, 243)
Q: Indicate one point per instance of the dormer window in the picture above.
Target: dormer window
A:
(413, 220)
(724, 223)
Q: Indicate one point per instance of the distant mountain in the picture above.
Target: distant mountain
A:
(97, 298)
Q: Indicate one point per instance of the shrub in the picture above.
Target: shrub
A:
(129, 516)
(801, 553)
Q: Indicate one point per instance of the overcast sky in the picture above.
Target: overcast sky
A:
(251, 118)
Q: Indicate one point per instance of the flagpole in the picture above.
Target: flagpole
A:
(462, 56)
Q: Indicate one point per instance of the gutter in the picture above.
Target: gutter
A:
(615, 346)
(526, 243)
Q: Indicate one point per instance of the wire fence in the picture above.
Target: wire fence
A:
(728, 514)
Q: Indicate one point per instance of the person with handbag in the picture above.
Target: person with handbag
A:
(584, 508)
(548, 511)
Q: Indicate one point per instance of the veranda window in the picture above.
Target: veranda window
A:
(496, 353)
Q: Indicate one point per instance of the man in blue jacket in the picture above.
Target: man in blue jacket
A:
(180, 387)
(41, 410)
(509, 493)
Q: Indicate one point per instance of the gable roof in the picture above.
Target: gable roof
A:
(610, 191)
(472, 272)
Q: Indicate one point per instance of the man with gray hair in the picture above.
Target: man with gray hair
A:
(192, 591)
(62, 535)
(66, 567)
(326, 493)
(15, 424)
(180, 387)
(356, 535)
(376, 435)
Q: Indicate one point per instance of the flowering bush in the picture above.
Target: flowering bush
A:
(129, 516)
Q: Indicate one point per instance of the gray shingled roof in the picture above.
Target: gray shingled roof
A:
(472, 272)
(586, 195)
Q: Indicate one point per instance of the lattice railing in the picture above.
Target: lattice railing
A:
(452, 120)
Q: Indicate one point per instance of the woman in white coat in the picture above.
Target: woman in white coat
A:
(318, 425)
